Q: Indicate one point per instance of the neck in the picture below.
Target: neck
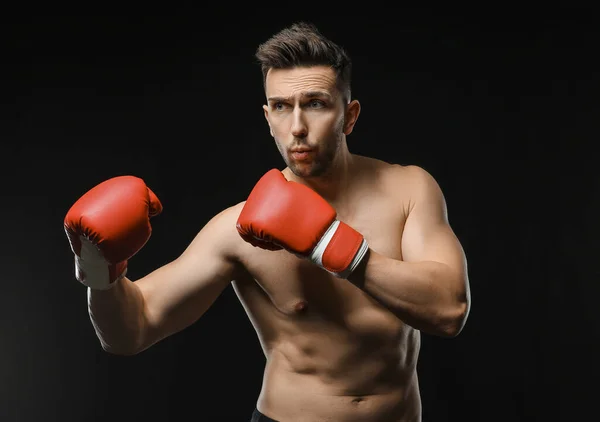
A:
(333, 183)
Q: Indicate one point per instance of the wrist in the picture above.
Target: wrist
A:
(358, 276)
(93, 270)
(99, 275)
(341, 250)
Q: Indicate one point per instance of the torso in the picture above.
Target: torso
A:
(333, 353)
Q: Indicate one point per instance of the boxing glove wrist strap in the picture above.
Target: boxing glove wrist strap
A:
(340, 250)
(93, 270)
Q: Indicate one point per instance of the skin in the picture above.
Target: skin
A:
(336, 349)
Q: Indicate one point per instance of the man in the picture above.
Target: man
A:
(340, 260)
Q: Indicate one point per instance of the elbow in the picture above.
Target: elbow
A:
(455, 320)
(119, 350)
(458, 313)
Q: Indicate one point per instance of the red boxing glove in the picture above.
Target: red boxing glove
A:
(279, 214)
(107, 226)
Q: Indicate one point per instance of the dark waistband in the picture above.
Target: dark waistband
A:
(259, 417)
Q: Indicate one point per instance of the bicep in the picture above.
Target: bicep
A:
(178, 293)
(427, 234)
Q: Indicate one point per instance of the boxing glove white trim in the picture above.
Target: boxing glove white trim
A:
(316, 255)
(360, 254)
(92, 269)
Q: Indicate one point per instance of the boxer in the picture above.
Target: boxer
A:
(340, 260)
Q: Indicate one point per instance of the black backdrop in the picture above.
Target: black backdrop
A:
(502, 108)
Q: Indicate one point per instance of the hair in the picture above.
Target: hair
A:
(303, 45)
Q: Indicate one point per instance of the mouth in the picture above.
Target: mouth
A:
(301, 154)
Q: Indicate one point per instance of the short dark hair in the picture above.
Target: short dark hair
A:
(302, 44)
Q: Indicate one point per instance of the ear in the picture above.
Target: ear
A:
(266, 110)
(351, 116)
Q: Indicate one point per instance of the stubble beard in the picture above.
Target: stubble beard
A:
(323, 163)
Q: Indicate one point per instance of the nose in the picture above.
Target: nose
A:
(299, 128)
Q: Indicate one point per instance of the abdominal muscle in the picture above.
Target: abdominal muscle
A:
(340, 386)
(312, 395)
(358, 365)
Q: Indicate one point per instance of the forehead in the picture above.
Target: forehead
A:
(295, 81)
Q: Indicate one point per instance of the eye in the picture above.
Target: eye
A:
(279, 106)
(316, 104)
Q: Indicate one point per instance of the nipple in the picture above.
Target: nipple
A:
(301, 306)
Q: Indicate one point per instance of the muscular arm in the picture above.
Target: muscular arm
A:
(429, 288)
(132, 316)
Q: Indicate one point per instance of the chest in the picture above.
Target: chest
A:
(297, 287)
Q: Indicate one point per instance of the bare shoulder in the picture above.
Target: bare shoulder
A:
(410, 178)
(220, 231)
(417, 177)
(228, 216)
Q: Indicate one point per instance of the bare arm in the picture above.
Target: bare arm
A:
(133, 316)
(429, 288)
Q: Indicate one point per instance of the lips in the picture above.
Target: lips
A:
(301, 154)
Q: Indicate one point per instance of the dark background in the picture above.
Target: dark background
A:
(500, 106)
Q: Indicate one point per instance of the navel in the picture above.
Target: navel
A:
(357, 400)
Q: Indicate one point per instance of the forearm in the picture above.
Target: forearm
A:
(117, 315)
(426, 295)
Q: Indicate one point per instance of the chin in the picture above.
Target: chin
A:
(307, 170)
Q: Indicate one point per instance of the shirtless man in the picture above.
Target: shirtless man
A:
(339, 260)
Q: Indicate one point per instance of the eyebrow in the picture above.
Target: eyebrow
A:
(308, 94)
